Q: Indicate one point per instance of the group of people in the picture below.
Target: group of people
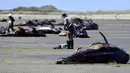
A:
(69, 25)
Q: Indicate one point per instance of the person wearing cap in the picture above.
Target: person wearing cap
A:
(11, 21)
(69, 27)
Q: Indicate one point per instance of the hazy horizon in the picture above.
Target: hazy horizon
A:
(69, 5)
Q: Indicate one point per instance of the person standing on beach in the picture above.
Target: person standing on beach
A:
(11, 21)
(69, 27)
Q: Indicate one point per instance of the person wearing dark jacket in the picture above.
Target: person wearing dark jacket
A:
(69, 27)
(11, 21)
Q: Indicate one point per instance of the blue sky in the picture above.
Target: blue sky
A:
(70, 5)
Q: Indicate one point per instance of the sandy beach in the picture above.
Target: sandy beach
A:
(35, 54)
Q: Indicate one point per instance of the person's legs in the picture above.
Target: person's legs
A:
(12, 27)
(70, 42)
(8, 29)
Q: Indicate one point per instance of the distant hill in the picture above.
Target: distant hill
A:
(50, 9)
(47, 8)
